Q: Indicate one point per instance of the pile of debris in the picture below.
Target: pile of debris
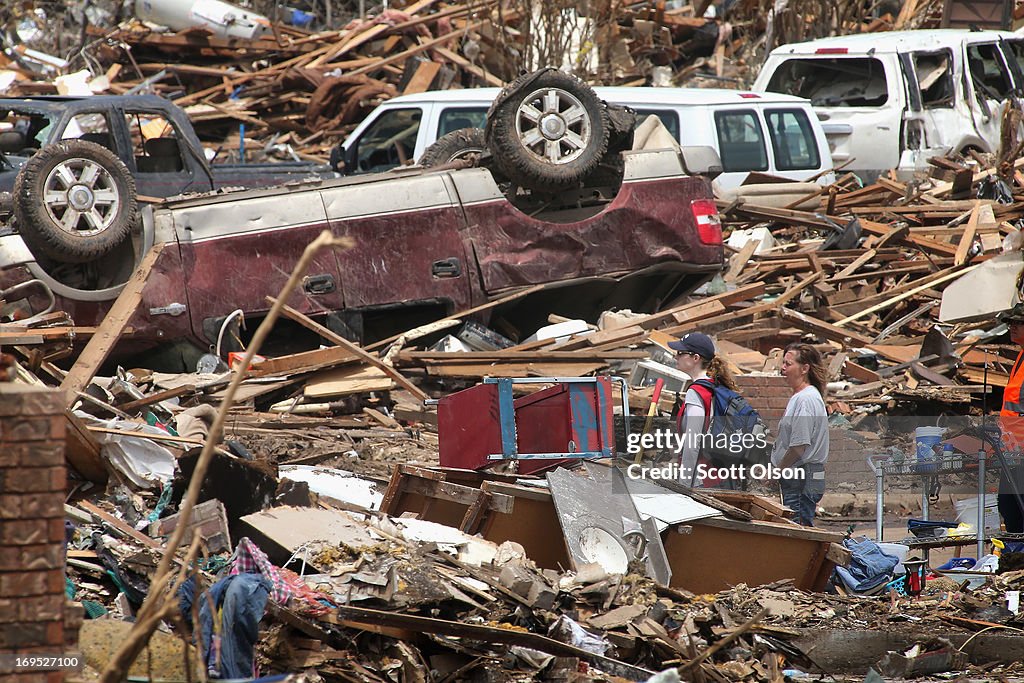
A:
(367, 587)
(290, 87)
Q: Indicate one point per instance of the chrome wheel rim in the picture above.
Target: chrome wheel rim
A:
(81, 197)
(553, 126)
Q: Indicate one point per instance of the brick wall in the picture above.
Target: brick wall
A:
(847, 458)
(32, 482)
(768, 394)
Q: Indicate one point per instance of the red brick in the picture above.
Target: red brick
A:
(55, 634)
(11, 455)
(41, 505)
(58, 478)
(56, 530)
(43, 608)
(45, 454)
(23, 584)
(10, 558)
(10, 505)
(22, 635)
(55, 581)
(23, 532)
(32, 480)
(30, 429)
(42, 557)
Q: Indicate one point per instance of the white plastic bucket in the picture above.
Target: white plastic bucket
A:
(967, 513)
(927, 441)
(897, 550)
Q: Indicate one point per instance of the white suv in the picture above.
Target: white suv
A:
(894, 99)
(752, 132)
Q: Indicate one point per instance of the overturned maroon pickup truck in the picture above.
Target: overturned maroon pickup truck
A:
(427, 242)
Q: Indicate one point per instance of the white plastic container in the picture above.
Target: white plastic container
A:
(647, 372)
(967, 513)
(898, 550)
(223, 19)
(739, 238)
(560, 331)
(928, 441)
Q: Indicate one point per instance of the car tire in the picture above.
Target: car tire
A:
(547, 130)
(74, 201)
(458, 144)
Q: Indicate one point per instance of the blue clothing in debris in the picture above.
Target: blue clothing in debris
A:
(229, 617)
(869, 566)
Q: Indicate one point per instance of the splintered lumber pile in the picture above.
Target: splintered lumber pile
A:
(297, 92)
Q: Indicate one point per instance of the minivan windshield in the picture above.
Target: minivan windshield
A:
(833, 81)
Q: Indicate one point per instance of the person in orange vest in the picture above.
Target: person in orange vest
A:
(1011, 421)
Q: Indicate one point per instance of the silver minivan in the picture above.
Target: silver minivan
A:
(894, 99)
(773, 134)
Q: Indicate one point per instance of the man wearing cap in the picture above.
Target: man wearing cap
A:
(1011, 419)
(695, 355)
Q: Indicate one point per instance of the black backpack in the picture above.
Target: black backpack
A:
(738, 435)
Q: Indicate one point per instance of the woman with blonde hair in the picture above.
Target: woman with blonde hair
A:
(695, 355)
(803, 432)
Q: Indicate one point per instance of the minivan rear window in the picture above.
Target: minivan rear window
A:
(833, 82)
(741, 141)
(792, 139)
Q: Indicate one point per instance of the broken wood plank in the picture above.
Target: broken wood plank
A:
(110, 329)
(822, 328)
(424, 76)
(931, 281)
(967, 239)
(353, 348)
(739, 260)
(120, 525)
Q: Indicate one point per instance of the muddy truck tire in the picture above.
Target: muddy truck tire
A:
(458, 144)
(547, 130)
(74, 202)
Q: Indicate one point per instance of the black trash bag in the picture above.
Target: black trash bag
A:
(843, 237)
(996, 189)
(134, 585)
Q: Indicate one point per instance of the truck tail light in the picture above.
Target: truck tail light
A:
(832, 51)
(709, 225)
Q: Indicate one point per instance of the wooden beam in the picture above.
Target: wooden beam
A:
(110, 329)
(906, 295)
(967, 239)
(424, 76)
(739, 260)
(353, 348)
(822, 328)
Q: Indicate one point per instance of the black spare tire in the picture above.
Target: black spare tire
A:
(459, 144)
(547, 130)
(74, 201)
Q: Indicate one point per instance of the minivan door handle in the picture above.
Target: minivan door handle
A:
(318, 284)
(448, 267)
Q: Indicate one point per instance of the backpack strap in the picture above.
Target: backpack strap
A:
(705, 389)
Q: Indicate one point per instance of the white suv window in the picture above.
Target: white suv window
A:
(740, 141)
(988, 71)
(457, 119)
(935, 78)
(833, 82)
(389, 141)
(792, 140)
